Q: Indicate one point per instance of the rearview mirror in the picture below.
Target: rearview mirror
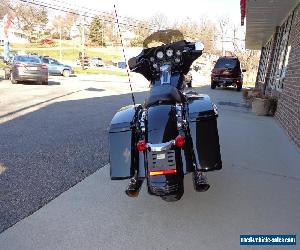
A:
(199, 46)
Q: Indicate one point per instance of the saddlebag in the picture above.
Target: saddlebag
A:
(204, 132)
(123, 156)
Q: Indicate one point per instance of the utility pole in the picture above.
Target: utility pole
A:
(60, 55)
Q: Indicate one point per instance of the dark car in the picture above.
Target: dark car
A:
(28, 68)
(57, 68)
(227, 72)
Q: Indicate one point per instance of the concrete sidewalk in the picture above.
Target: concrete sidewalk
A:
(257, 192)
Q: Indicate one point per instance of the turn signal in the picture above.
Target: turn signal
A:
(180, 141)
(141, 146)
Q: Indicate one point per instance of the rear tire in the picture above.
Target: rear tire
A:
(172, 197)
(13, 81)
(189, 84)
(212, 85)
(45, 82)
(66, 73)
(239, 87)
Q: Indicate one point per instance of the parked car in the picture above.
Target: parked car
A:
(226, 72)
(97, 62)
(47, 41)
(28, 68)
(188, 78)
(57, 68)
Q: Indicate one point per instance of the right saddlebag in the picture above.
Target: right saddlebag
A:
(202, 119)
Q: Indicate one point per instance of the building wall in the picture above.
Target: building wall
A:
(288, 109)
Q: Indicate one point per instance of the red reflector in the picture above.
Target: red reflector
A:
(163, 172)
(44, 66)
(19, 65)
(141, 146)
(180, 141)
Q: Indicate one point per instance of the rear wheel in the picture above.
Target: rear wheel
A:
(189, 84)
(66, 73)
(172, 197)
(212, 85)
(238, 87)
(12, 79)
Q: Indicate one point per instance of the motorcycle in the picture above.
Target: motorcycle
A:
(174, 132)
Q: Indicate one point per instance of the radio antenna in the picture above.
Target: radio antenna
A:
(123, 49)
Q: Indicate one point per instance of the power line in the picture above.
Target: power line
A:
(87, 14)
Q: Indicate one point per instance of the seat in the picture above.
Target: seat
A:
(164, 93)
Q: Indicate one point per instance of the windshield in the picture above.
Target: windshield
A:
(226, 63)
(27, 59)
(162, 37)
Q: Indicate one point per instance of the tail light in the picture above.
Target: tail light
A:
(163, 172)
(44, 66)
(179, 141)
(141, 146)
(18, 64)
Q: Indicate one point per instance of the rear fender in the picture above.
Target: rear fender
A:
(162, 128)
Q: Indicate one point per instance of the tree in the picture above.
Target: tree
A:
(159, 21)
(6, 7)
(203, 31)
(96, 32)
(69, 21)
(223, 25)
(142, 30)
(28, 17)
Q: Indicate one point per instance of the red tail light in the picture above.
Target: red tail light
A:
(19, 65)
(179, 141)
(163, 172)
(141, 146)
(44, 66)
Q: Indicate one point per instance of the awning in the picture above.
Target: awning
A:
(262, 17)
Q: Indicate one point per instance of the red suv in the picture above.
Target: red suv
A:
(226, 72)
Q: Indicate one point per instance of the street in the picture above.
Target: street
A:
(53, 137)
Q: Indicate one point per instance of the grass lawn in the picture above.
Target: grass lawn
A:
(79, 70)
(2, 64)
(71, 54)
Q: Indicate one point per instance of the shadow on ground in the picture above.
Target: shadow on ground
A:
(44, 153)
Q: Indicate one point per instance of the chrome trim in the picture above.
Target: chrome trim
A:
(161, 147)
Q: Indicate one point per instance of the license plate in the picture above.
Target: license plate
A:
(161, 161)
(33, 68)
(161, 156)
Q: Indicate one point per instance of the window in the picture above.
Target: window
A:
(27, 59)
(264, 62)
(226, 63)
(281, 55)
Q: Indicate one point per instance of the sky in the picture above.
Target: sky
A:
(194, 9)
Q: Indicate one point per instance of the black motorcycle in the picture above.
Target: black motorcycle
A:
(173, 133)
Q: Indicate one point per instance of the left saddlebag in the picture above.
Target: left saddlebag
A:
(123, 157)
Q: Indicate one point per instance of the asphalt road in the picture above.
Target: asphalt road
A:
(52, 137)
